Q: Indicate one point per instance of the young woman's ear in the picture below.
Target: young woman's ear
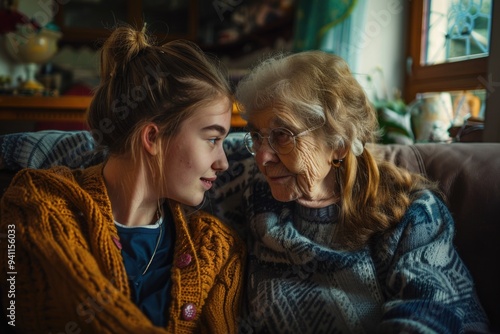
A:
(149, 137)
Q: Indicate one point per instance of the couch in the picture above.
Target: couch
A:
(468, 174)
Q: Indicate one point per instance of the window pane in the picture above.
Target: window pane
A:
(457, 30)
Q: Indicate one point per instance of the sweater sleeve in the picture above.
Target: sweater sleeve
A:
(59, 284)
(223, 305)
(427, 286)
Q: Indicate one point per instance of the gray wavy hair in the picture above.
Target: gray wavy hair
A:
(316, 87)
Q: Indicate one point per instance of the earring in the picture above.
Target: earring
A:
(336, 162)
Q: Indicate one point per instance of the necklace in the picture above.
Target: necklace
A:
(158, 216)
(159, 222)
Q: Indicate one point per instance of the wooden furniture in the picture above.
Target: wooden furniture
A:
(37, 108)
(59, 109)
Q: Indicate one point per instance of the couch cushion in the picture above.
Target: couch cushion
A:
(44, 149)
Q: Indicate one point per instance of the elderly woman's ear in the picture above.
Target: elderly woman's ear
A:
(337, 156)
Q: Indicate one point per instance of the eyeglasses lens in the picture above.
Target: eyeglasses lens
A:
(281, 141)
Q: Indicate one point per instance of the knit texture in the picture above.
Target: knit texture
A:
(45, 149)
(298, 284)
(70, 272)
(409, 280)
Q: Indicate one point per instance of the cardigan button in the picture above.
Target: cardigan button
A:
(184, 260)
(188, 311)
(117, 243)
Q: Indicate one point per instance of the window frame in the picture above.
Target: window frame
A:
(452, 76)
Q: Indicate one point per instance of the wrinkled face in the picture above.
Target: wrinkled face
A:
(195, 154)
(305, 174)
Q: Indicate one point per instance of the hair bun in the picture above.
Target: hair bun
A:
(121, 47)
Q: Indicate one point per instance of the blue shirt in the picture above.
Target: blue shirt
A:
(150, 290)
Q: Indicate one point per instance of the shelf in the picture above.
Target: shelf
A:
(59, 109)
(261, 37)
(85, 23)
(36, 108)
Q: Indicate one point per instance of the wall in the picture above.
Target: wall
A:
(382, 45)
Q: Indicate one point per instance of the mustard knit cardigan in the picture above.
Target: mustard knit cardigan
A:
(68, 272)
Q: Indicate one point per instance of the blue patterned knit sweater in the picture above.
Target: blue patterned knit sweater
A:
(410, 280)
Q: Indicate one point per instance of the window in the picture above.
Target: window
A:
(457, 31)
(448, 47)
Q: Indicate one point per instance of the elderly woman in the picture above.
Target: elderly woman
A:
(338, 240)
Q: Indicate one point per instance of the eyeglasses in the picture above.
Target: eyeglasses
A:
(281, 140)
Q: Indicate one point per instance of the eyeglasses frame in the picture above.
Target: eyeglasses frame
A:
(293, 136)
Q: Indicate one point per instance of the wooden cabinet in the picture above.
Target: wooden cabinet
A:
(89, 22)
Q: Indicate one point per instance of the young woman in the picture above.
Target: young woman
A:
(114, 248)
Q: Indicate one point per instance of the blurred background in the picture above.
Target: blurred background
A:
(426, 65)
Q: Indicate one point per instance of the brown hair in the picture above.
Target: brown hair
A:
(318, 88)
(142, 83)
